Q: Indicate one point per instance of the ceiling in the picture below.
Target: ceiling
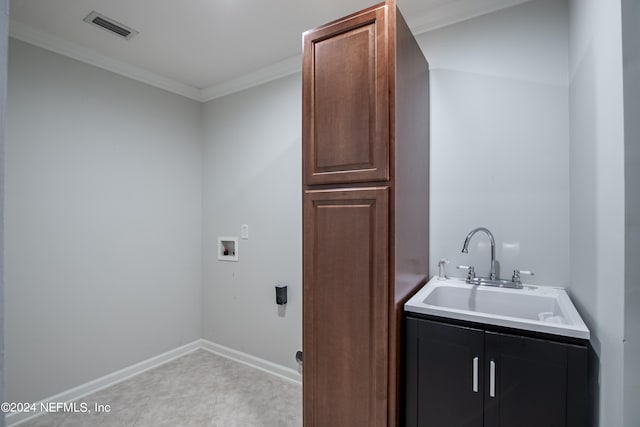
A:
(204, 49)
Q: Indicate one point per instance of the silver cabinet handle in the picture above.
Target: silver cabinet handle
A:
(475, 374)
(492, 379)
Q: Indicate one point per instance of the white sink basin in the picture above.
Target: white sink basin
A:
(533, 308)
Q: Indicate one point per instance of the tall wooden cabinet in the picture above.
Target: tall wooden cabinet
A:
(365, 214)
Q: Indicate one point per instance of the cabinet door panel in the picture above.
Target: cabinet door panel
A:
(530, 382)
(345, 307)
(345, 101)
(445, 395)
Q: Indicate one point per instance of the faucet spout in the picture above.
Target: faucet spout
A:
(465, 248)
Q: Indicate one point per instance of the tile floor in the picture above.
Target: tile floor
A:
(199, 389)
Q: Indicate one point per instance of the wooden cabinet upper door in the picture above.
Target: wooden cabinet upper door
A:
(345, 108)
(444, 375)
(529, 382)
(345, 307)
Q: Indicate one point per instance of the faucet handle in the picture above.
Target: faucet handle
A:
(516, 275)
(471, 271)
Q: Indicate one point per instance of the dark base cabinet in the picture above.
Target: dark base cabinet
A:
(470, 375)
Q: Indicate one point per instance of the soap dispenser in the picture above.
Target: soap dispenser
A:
(442, 269)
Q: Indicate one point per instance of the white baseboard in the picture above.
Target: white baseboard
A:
(254, 362)
(108, 380)
(105, 381)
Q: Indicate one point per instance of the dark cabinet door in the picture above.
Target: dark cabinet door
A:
(521, 381)
(345, 307)
(345, 124)
(444, 375)
(525, 382)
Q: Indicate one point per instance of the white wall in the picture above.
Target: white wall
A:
(597, 189)
(103, 223)
(500, 140)
(4, 34)
(252, 166)
(631, 55)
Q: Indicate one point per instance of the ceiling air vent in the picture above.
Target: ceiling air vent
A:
(110, 25)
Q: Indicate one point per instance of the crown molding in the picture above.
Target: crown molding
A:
(448, 13)
(72, 50)
(455, 11)
(275, 71)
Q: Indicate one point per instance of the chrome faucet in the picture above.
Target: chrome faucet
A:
(465, 249)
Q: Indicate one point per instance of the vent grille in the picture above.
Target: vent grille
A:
(110, 25)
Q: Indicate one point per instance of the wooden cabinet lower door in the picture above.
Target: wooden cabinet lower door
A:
(345, 307)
